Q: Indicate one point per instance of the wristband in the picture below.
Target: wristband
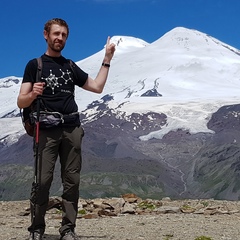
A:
(106, 64)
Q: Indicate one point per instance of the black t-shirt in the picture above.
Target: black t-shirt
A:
(60, 81)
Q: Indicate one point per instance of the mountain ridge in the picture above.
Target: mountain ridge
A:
(160, 128)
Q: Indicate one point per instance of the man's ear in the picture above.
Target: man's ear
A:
(45, 34)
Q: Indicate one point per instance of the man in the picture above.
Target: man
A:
(56, 94)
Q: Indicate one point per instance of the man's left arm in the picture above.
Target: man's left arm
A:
(96, 85)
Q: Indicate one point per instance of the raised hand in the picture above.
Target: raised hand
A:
(110, 49)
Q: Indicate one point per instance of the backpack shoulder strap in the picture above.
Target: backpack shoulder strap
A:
(39, 70)
(72, 66)
(38, 78)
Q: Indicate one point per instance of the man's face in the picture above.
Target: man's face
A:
(56, 38)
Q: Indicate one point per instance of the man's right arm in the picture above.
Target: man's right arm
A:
(29, 93)
(29, 89)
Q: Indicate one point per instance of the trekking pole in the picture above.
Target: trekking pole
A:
(37, 164)
(37, 123)
(37, 172)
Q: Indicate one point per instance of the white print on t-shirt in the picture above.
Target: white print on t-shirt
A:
(52, 81)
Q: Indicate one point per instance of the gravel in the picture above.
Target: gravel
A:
(170, 226)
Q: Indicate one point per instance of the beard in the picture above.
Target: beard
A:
(56, 46)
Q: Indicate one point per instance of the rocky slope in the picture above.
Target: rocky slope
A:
(115, 160)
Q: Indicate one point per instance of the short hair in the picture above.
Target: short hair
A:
(58, 21)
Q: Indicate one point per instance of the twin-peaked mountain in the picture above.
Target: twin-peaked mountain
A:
(167, 123)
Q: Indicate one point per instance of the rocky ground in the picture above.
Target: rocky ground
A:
(137, 219)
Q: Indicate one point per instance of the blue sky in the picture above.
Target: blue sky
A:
(91, 21)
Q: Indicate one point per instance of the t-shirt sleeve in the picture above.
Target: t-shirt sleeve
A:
(80, 77)
(30, 71)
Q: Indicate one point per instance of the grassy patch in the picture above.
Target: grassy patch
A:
(168, 236)
(203, 238)
(146, 205)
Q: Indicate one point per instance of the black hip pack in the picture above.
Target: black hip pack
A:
(54, 119)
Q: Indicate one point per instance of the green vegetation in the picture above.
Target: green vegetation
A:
(168, 236)
(114, 184)
(187, 208)
(203, 238)
(146, 205)
(205, 203)
(58, 211)
(15, 179)
(82, 211)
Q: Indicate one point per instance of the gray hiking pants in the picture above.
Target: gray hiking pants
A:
(64, 143)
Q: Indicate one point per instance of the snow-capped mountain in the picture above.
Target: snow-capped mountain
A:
(194, 73)
(157, 109)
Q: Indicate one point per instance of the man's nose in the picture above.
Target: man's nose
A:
(60, 36)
